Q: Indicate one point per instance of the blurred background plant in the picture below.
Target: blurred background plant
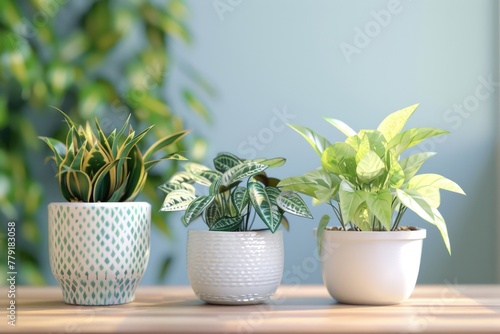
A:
(106, 58)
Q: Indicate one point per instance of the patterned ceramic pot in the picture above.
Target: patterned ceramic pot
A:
(235, 268)
(99, 251)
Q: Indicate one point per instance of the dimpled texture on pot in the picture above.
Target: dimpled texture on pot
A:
(99, 251)
(235, 267)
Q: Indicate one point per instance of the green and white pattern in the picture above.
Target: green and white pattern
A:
(99, 251)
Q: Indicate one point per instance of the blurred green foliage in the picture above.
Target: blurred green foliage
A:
(106, 58)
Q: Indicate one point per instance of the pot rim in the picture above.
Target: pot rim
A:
(102, 204)
(262, 231)
(419, 234)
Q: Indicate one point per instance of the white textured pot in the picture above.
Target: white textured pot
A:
(99, 251)
(371, 268)
(235, 268)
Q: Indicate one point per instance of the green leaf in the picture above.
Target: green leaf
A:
(241, 171)
(212, 214)
(349, 200)
(415, 202)
(181, 177)
(441, 225)
(101, 182)
(276, 211)
(317, 184)
(196, 208)
(370, 167)
(240, 199)
(321, 231)
(215, 187)
(163, 143)
(361, 218)
(227, 224)
(412, 164)
(412, 137)
(167, 187)
(262, 204)
(206, 177)
(177, 200)
(340, 159)
(396, 175)
(318, 143)
(380, 204)
(293, 203)
(57, 147)
(341, 126)
(225, 161)
(271, 163)
(193, 167)
(78, 185)
(435, 181)
(395, 122)
(137, 176)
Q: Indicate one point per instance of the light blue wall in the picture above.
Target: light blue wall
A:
(282, 55)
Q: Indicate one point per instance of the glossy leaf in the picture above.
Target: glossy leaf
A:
(318, 142)
(413, 200)
(323, 222)
(412, 137)
(380, 204)
(341, 126)
(241, 171)
(340, 159)
(262, 205)
(395, 122)
(240, 199)
(225, 161)
(293, 203)
(369, 167)
(177, 200)
(411, 165)
(196, 208)
(227, 224)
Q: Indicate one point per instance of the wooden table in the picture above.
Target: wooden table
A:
(294, 309)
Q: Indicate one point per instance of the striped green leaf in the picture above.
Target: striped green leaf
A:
(196, 208)
(241, 171)
(292, 203)
(225, 161)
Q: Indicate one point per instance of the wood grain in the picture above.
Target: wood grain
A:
(294, 309)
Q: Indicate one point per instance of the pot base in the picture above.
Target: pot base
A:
(250, 299)
(98, 292)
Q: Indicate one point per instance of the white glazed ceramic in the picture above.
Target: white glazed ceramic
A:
(99, 251)
(371, 268)
(235, 268)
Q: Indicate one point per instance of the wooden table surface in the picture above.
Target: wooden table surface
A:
(294, 309)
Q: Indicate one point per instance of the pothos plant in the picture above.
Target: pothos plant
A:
(238, 190)
(105, 168)
(367, 182)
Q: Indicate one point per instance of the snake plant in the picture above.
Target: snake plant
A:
(367, 182)
(238, 190)
(95, 167)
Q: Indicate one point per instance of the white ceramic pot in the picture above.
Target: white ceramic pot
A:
(235, 268)
(99, 251)
(371, 268)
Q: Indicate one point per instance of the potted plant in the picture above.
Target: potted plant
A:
(371, 258)
(99, 240)
(234, 262)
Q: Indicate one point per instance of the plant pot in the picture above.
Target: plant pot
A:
(371, 268)
(99, 251)
(235, 268)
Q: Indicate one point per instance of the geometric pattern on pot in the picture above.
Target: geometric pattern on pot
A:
(235, 267)
(99, 251)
